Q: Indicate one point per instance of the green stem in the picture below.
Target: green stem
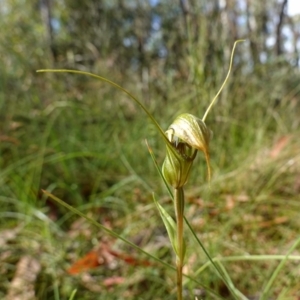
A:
(222, 86)
(179, 210)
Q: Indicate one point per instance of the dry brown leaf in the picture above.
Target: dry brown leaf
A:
(110, 281)
(276, 221)
(104, 255)
(230, 202)
(15, 125)
(88, 262)
(279, 146)
(242, 198)
(97, 287)
(9, 139)
(22, 285)
(7, 235)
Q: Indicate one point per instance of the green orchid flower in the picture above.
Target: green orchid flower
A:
(187, 135)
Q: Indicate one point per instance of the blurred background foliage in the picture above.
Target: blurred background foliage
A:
(84, 141)
(156, 40)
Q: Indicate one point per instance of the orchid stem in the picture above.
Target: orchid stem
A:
(179, 210)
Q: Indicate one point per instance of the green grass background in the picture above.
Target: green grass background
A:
(84, 141)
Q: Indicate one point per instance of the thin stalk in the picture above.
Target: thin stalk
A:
(226, 78)
(179, 210)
